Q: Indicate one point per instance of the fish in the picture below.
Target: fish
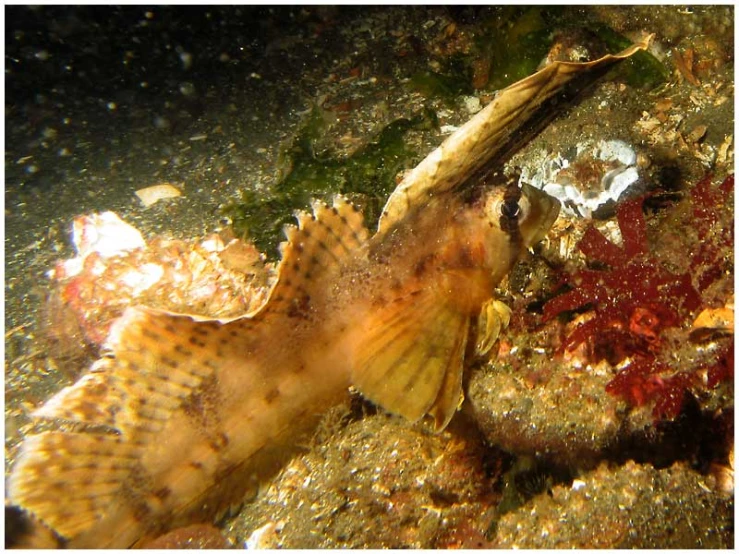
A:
(183, 416)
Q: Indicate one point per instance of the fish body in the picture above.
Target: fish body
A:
(182, 416)
(185, 415)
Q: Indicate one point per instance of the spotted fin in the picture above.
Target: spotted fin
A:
(104, 475)
(315, 247)
(409, 360)
(101, 460)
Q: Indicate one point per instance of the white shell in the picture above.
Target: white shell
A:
(152, 195)
(554, 175)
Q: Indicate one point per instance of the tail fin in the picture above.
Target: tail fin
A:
(140, 440)
(106, 423)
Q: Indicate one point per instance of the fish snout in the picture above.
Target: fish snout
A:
(538, 211)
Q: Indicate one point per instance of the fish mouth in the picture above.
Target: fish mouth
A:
(542, 212)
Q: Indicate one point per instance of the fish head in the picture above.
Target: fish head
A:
(538, 211)
(524, 213)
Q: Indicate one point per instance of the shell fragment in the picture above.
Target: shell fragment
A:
(153, 194)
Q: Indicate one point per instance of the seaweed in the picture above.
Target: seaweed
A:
(490, 61)
(512, 42)
(646, 379)
(634, 298)
(367, 177)
(530, 29)
(633, 301)
(534, 30)
(454, 79)
(642, 70)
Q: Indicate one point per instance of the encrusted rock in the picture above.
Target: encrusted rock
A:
(632, 506)
(541, 409)
(377, 483)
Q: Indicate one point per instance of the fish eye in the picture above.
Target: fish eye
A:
(513, 208)
(509, 209)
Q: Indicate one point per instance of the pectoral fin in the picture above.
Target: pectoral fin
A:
(409, 357)
(494, 317)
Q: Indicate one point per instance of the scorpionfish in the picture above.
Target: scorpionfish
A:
(184, 415)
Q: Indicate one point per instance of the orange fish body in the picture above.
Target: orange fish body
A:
(185, 415)
(182, 415)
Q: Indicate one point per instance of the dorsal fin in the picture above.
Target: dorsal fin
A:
(317, 246)
(488, 134)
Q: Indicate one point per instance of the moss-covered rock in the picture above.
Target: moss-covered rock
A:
(367, 177)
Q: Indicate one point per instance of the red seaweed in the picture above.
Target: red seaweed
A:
(645, 379)
(714, 238)
(635, 298)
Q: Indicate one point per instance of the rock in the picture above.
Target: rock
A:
(632, 506)
(192, 537)
(546, 410)
(377, 483)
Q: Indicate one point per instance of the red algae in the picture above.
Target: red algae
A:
(643, 380)
(635, 299)
(714, 237)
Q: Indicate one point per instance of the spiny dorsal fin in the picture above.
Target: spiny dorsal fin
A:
(317, 246)
(473, 145)
(93, 463)
(409, 359)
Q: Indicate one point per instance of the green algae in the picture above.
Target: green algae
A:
(514, 40)
(642, 70)
(366, 177)
(518, 39)
(454, 79)
(514, 43)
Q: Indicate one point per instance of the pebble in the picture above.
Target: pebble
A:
(472, 104)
